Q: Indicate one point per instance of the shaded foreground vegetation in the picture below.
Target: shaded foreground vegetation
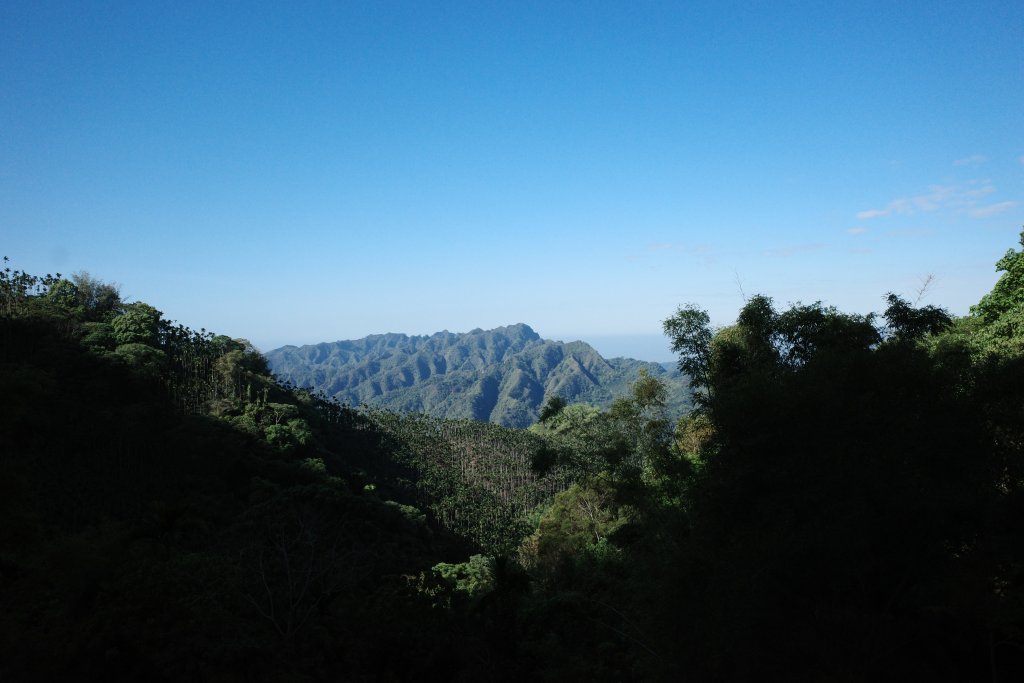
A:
(844, 503)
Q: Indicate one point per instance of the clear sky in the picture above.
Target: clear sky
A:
(298, 172)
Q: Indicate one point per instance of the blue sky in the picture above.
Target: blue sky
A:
(302, 172)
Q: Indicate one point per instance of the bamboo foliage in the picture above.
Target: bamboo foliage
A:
(475, 477)
(17, 287)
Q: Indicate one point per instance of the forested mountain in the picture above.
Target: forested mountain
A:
(502, 375)
(843, 503)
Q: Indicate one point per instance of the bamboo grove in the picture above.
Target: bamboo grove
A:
(478, 478)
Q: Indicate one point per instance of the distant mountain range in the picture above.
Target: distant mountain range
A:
(502, 375)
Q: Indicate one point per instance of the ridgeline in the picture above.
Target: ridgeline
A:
(503, 375)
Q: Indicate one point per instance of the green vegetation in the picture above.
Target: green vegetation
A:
(503, 375)
(171, 512)
(845, 502)
(476, 478)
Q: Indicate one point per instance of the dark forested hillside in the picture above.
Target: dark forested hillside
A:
(170, 512)
(843, 503)
(502, 375)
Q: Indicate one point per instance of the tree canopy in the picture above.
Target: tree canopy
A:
(843, 503)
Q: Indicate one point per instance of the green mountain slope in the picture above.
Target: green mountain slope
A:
(502, 375)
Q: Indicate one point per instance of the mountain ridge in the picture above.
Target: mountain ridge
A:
(503, 375)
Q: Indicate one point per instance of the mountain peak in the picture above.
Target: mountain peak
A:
(501, 375)
(520, 329)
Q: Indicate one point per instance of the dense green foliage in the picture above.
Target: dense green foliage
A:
(847, 506)
(171, 512)
(846, 502)
(476, 478)
(503, 375)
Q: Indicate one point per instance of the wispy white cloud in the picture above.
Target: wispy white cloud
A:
(972, 160)
(857, 231)
(992, 209)
(961, 197)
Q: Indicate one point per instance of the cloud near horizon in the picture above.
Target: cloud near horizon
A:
(962, 197)
(972, 160)
(992, 209)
